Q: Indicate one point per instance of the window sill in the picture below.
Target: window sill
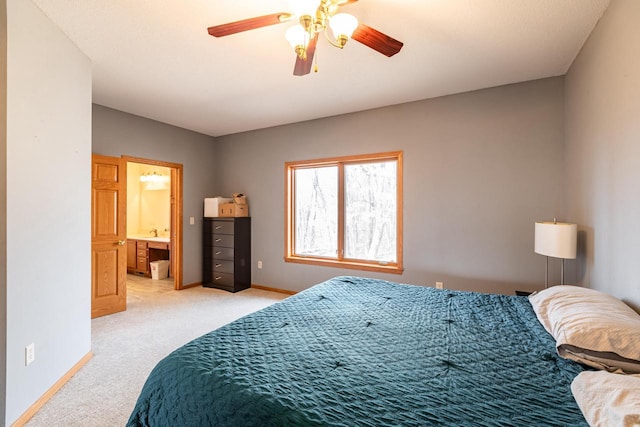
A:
(353, 265)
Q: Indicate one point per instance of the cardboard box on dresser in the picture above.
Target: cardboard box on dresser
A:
(235, 206)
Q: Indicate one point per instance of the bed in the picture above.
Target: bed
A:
(362, 352)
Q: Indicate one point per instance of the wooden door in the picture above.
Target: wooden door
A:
(174, 249)
(108, 236)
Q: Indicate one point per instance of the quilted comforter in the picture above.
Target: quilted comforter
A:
(362, 352)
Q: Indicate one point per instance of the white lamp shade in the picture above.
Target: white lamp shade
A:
(297, 36)
(343, 24)
(556, 239)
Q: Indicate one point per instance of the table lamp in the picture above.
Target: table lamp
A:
(557, 240)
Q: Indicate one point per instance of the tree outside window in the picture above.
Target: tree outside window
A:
(346, 212)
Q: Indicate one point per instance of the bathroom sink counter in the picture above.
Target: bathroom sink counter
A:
(143, 249)
(149, 238)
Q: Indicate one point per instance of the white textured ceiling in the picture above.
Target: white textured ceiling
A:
(155, 59)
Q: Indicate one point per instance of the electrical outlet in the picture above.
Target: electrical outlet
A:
(259, 264)
(192, 220)
(29, 354)
(439, 285)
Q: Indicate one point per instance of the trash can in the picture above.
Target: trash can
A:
(159, 269)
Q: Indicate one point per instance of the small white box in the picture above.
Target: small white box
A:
(211, 205)
(159, 269)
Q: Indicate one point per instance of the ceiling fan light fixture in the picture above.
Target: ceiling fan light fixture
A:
(306, 21)
(302, 8)
(315, 17)
(298, 38)
(343, 25)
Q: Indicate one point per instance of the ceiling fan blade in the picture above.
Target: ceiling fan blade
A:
(376, 40)
(303, 66)
(249, 24)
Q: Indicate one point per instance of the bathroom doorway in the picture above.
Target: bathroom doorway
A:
(154, 219)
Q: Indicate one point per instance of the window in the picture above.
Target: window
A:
(345, 212)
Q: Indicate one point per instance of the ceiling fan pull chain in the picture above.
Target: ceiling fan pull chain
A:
(315, 63)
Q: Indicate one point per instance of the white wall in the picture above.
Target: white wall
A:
(603, 152)
(48, 205)
(479, 169)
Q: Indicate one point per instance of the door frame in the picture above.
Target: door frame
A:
(176, 213)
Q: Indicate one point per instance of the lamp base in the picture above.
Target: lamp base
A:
(546, 272)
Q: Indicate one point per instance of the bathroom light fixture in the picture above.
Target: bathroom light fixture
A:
(152, 177)
(154, 181)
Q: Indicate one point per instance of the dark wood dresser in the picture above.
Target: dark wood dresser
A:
(227, 253)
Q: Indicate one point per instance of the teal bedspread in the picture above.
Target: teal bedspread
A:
(362, 352)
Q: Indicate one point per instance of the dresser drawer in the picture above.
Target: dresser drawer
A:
(222, 253)
(223, 240)
(222, 227)
(219, 252)
(141, 252)
(223, 266)
(141, 244)
(159, 245)
(216, 265)
(223, 279)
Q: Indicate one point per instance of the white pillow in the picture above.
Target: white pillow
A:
(607, 399)
(590, 327)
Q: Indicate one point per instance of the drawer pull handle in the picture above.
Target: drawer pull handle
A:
(218, 278)
(218, 265)
(218, 240)
(218, 253)
(218, 227)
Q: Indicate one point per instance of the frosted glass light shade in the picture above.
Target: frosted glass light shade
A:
(343, 24)
(556, 239)
(297, 36)
(304, 7)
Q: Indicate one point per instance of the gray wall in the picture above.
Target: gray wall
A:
(116, 133)
(603, 152)
(48, 241)
(480, 168)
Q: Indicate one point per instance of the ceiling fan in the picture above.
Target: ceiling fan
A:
(314, 16)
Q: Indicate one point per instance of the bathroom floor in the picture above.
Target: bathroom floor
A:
(138, 285)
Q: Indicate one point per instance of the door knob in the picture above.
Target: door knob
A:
(122, 242)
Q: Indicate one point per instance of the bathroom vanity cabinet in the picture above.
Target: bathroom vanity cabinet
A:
(141, 252)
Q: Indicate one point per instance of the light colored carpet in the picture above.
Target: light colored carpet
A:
(127, 345)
